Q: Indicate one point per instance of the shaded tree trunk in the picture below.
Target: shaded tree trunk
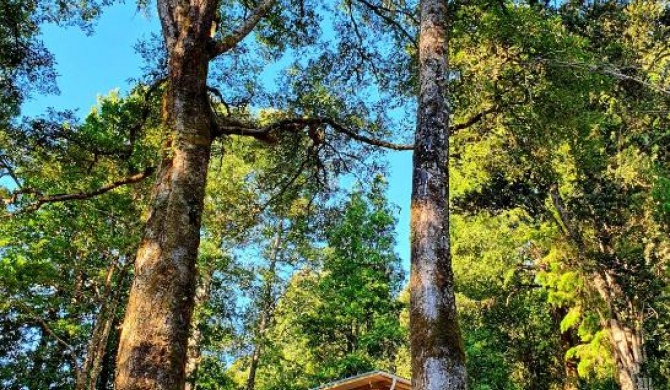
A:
(153, 345)
(194, 341)
(96, 350)
(437, 352)
(625, 335)
(567, 340)
(89, 372)
(267, 309)
(623, 322)
(106, 377)
(256, 355)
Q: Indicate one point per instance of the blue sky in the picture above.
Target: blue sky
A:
(89, 66)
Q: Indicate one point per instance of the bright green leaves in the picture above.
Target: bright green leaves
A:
(60, 155)
(662, 196)
(571, 319)
(357, 316)
(594, 358)
(503, 307)
(63, 262)
(338, 315)
(563, 179)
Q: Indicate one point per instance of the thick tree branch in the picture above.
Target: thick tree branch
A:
(364, 139)
(231, 40)
(227, 126)
(42, 200)
(564, 218)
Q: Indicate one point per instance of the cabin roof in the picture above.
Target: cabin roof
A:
(375, 380)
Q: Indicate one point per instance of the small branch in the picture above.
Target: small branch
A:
(657, 140)
(43, 324)
(286, 185)
(473, 120)
(228, 42)
(219, 95)
(10, 171)
(399, 10)
(84, 195)
(378, 11)
(146, 111)
(606, 70)
(361, 44)
(570, 231)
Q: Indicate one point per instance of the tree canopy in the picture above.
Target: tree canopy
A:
(216, 228)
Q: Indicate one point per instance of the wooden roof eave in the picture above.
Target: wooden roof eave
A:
(369, 380)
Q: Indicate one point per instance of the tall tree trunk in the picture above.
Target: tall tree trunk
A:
(267, 309)
(87, 377)
(194, 353)
(438, 357)
(106, 377)
(627, 345)
(256, 355)
(625, 335)
(154, 339)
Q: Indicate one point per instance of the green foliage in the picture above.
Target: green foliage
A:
(24, 61)
(580, 118)
(26, 65)
(355, 323)
(339, 314)
(509, 326)
(560, 175)
(63, 263)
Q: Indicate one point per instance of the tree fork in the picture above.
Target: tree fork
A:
(437, 352)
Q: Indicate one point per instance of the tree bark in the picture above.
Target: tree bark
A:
(153, 345)
(106, 376)
(437, 352)
(626, 343)
(625, 335)
(256, 355)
